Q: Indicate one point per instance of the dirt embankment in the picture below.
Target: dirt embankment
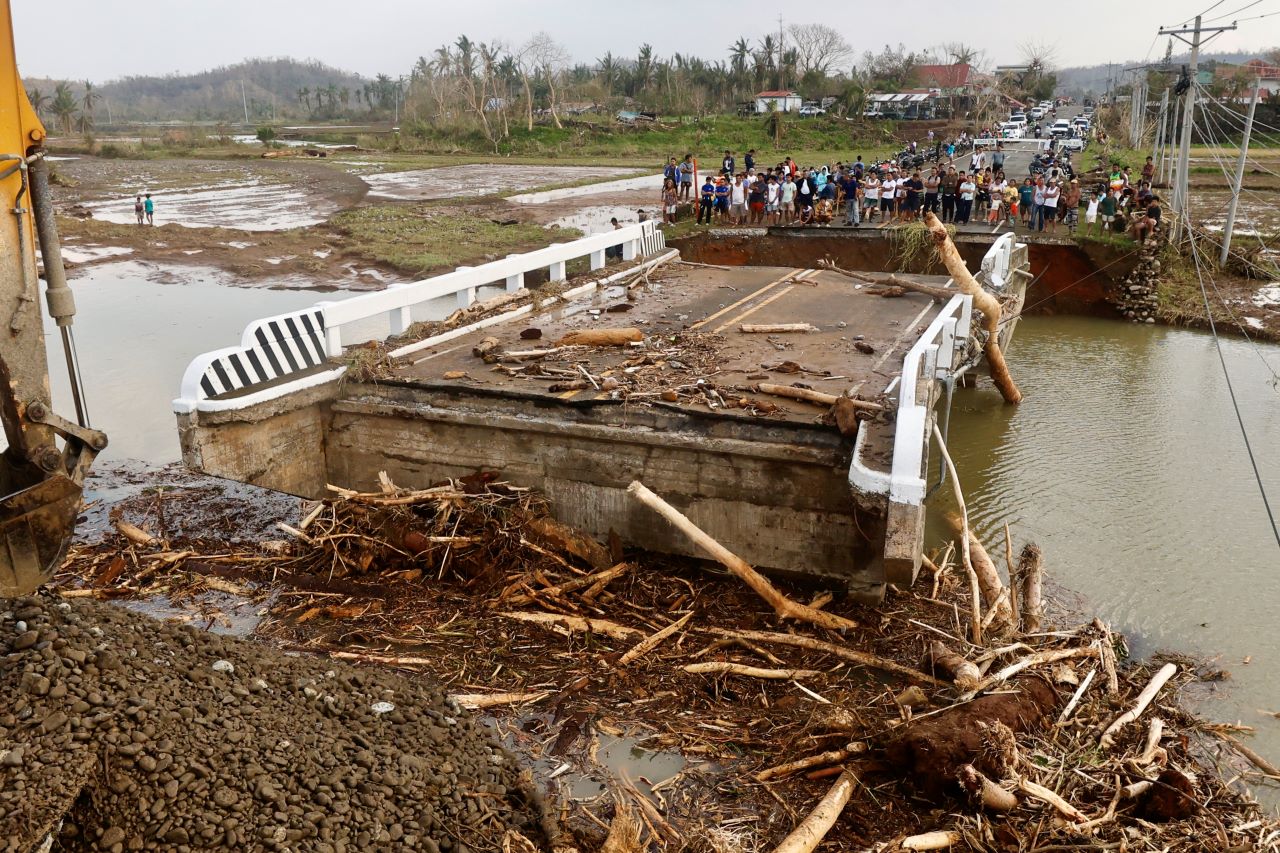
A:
(120, 732)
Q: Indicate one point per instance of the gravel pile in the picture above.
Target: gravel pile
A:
(151, 736)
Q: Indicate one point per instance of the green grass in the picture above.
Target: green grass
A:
(417, 239)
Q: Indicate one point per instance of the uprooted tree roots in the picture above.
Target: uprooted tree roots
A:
(570, 644)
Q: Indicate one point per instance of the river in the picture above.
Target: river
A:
(1126, 465)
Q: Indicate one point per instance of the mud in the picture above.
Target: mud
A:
(478, 179)
(166, 738)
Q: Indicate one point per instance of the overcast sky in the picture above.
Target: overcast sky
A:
(102, 40)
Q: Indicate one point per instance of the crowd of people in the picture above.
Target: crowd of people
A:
(965, 190)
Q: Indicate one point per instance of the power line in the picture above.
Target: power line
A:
(1229, 14)
(1244, 432)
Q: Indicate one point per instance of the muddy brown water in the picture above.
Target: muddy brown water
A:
(1126, 465)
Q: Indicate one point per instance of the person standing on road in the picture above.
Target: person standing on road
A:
(1052, 195)
(888, 197)
(1071, 205)
(749, 160)
(911, 200)
(726, 165)
(965, 192)
(723, 194)
(1106, 211)
(787, 198)
(997, 159)
(150, 207)
(1091, 213)
(950, 181)
(686, 177)
(932, 186)
(670, 197)
(852, 205)
(1026, 202)
(870, 196)
(706, 201)
(738, 201)
(138, 210)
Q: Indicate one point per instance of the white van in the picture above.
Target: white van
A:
(1012, 130)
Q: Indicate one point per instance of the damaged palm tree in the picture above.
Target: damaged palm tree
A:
(983, 301)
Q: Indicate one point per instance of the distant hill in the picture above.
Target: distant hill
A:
(1092, 79)
(285, 88)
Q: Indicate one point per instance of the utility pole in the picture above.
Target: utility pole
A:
(782, 69)
(1180, 188)
(1158, 139)
(1235, 190)
(244, 101)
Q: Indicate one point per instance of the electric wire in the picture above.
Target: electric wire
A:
(1229, 14)
(1244, 432)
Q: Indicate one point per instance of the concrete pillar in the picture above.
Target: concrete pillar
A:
(556, 272)
(466, 295)
(630, 249)
(597, 260)
(332, 335)
(516, 281)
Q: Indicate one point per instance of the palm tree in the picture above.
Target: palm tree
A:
(88, 101)
(304, 95)
(39, 100)
(64, 105)
(331, 92)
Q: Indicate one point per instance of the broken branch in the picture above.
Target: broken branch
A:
(809, 834)
(1140, 704)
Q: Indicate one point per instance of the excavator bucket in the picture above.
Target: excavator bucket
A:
(36, 524)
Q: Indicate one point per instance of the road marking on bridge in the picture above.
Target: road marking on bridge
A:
(725, 310)
(798, 279)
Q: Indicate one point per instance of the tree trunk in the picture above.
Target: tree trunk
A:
(983, 301)
(528, 100)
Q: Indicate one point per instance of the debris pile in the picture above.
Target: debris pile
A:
(119, 732)
(949, 716)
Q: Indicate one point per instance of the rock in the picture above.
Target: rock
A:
(223, 666)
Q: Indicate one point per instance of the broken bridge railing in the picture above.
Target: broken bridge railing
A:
(286, 353)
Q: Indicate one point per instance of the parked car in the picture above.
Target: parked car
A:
(1061, 127)
(1073, 143)
(1019, 118)
(812, 110)
(1012, 130)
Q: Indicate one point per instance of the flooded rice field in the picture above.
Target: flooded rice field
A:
(250, 205)
(478, 179)
(1125, 464)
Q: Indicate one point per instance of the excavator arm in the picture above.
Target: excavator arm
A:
(43, 467)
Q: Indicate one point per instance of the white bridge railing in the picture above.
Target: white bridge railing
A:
(935, 355)
(282, 354)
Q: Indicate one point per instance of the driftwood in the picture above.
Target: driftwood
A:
(486, 347)
(577, 623)
(726, 668)
(983, 301)
(860, 658)
(936, 840)
(1036, 659)
(784, 607)
(809, 834)
(964, 673)
(602, 337)
(833, 756)
(1031, 578)
(600, 579)
(1040, 792)
(810, 396)
(975, 587)
(652, 641)
(137, 535)
(940, 293)
(986, 792)
(775, 328)
(1108, 658)
(476, 701)
(993, 591)
(1140, 704)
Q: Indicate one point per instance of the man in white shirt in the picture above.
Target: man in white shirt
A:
(888, 189)
(964, 198)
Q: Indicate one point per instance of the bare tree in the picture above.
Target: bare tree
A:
(959, 53)
(819, 47)
(545, 59)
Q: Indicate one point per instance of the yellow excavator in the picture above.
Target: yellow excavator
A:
(43, 468)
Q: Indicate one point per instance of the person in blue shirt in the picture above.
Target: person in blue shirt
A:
(749, 161)
(852, 207)
(858, 168)
(726, 165)
(150, 207)
(706, 201)
(722, 198)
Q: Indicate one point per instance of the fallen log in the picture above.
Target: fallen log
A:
(988, 578)
(726, 668)
(1040, 792)
(983, 301)
(476, 701)
(486, 347)
(775, 328)
(784, 607)
(860, 658)
(1031, 578)
(808, 395)
(1036, 659)
(975, 587)
(601, 337)
(137, 535)
(809, 834)
(1140, 704)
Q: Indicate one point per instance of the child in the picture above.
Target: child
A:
(1091, 213)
